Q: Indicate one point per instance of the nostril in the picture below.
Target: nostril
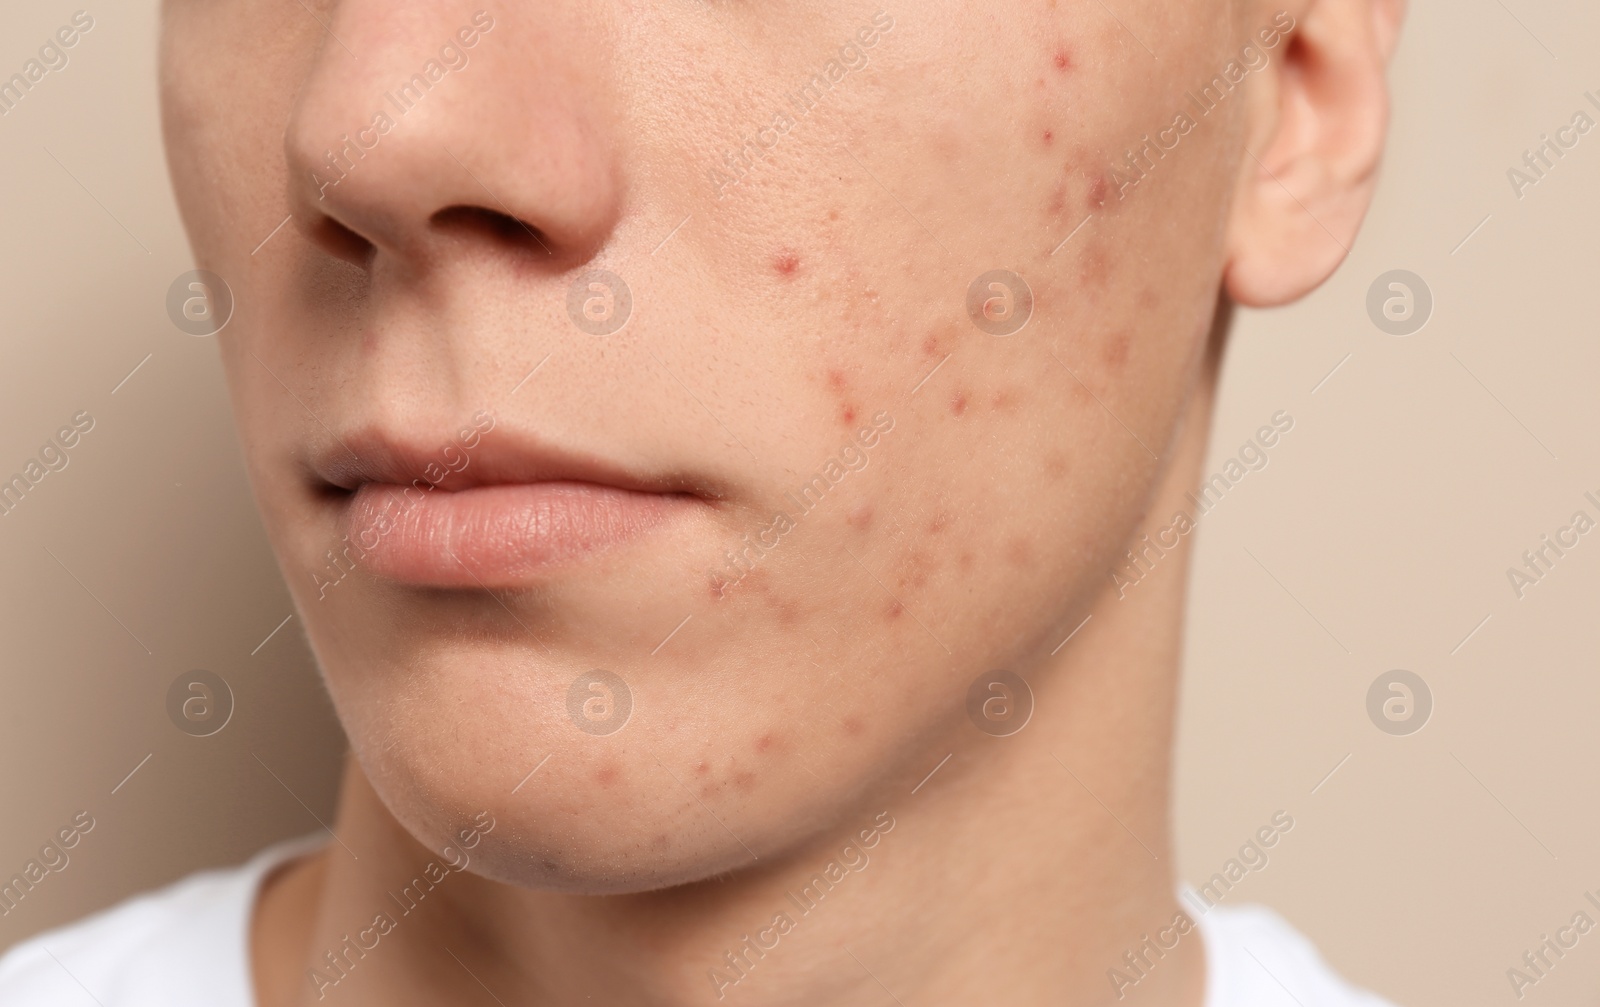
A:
(339, 241)
(502, 227)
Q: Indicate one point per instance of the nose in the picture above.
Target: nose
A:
(423, 125)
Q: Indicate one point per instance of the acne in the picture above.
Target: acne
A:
(847, 414)
(1062, 59)
(788, 613)
(768, 742)
(785, 263)
(892, 613)
(1019, 552)
(1048, 137)
(1058, 200)
(860, 516)
(852, 726)
(941, 521)
(702, 769)
(938, 340)
(1114, 351)
(608, 775)
(958, 403)
(1094, 268)
(1096, 196)
(1006, 400)
(919, 568)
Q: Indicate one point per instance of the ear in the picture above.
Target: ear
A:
(1312, 150)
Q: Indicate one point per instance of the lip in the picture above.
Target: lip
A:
(500, 514)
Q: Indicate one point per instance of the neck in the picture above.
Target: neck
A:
(1023, 871)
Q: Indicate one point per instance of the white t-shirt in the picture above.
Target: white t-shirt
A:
(188, 945)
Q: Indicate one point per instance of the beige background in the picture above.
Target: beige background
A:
(1378, 537)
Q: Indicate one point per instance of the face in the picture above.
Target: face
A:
(810, 488)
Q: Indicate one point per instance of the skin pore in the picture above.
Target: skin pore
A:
(786, 295)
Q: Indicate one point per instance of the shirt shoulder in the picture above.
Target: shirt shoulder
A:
(185, 945)
(1254, 958)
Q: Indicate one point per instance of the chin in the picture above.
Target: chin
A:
(682, 791)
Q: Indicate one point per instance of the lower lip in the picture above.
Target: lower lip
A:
(493, 536)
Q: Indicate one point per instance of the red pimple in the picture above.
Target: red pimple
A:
(852, 726)
(958, 403)
(860, 517)
(1097, 192)
(607, 776)
(894, 611)
(1058, 200)
(703, 768)
(785, 263)
(835, 379)
(1049, 135)
(1063, 59)
(763, 743)
(848, 415)
(1115, 350)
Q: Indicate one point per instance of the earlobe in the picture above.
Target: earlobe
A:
(1311, 157)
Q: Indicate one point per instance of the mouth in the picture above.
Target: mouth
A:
(493, 508)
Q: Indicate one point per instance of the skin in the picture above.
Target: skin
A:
(776, 319)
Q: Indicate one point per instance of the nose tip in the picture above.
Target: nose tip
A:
(418, 135)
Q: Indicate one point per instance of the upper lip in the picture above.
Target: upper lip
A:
(502, 456)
